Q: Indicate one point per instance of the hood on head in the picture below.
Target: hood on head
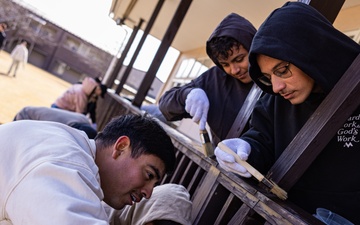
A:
(88, 85)
(168, 202)
(234, 26)
(299, 34)
(103, 87)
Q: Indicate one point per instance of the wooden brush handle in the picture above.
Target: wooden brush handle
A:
(274, 188)
(243, 163)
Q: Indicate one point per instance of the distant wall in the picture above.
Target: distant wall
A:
(348, 19)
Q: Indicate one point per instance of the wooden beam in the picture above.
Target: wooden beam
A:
(160, 54)
(119, 63)
(148, 27)
(245, 112)
(329, 8)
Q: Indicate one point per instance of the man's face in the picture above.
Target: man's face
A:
(98, 90)
(295, 88)
(125, 180)
(3, 27)
(236, 65)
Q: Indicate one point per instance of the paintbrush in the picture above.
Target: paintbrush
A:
(274, 188)
(206, 143)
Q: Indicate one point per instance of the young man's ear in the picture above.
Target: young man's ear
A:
(122, 144)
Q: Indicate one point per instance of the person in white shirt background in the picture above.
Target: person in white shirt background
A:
(19, 55)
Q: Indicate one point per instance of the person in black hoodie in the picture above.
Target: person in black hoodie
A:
(3, 27)
(217, 95)
(296, 58)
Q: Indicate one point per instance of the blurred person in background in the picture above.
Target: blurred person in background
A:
(3, 27)
(72, 119)
(19, 56)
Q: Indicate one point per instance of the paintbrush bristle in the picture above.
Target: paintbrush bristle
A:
(208, 148)
(206, 143)
(279, 192)
(275, 189)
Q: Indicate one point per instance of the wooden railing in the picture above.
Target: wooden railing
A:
(218, 197)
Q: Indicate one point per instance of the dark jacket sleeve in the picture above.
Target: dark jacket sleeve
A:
(172, 102)
(226, 96)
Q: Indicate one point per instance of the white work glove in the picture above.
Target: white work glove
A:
(197, 105)
(227, 161)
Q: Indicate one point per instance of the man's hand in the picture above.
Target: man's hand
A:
(227, 161)
(197, 105)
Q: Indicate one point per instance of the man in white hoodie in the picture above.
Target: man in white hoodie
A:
(19, 55)
(52, 173)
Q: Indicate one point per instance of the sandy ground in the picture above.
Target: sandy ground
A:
(31, 87)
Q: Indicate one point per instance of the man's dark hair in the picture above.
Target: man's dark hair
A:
(87, 128)
(220, 47)
(24, 40)
(165, 222)
(145, 134)
(103, 87)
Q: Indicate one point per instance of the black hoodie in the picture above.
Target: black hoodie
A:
(298, 34)
(226, 94)
(234, 26)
